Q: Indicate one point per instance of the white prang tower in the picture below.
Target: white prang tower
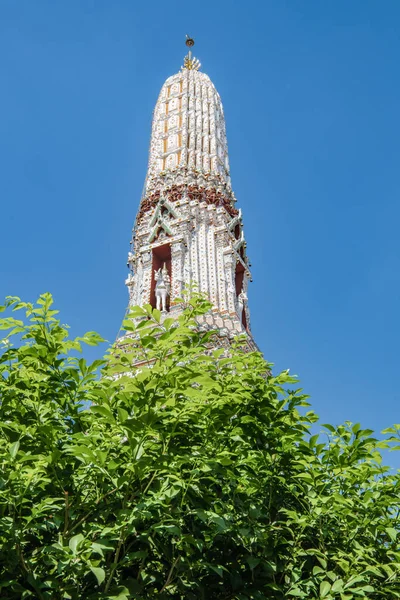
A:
(187, 228)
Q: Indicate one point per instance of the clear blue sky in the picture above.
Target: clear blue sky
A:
(311, 93)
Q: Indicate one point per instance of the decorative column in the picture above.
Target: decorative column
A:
(229, 271)
(177, 262)
(147, 276)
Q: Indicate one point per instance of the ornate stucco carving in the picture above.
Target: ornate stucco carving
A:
(188, 129)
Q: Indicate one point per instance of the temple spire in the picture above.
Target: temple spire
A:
(188, 229)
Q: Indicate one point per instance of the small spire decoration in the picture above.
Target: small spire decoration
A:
(190, 62)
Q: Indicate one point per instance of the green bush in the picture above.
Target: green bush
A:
(195, 478)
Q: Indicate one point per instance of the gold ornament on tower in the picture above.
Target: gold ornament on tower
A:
(189, 62)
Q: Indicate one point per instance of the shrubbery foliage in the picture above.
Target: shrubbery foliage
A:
(195, 479)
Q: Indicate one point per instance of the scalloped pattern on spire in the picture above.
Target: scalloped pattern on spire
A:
(188, 130)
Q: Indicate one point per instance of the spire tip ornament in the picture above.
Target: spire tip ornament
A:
(189, 62)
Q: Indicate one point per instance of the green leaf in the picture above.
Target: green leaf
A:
(321, 561)
(13, 449)
(122, 593)
(329, 427)
(138, 453)
(167, 323)
(157, 315)
(353, 580)
(324, 588)
(253, 562)
(75, 541)
(99, 573)
(136, 311)
(337, 586)
(392, 533)
(123, 414)
(219, 569)
(297, 593)
(99, 548)
(104, 411)
(218, 520)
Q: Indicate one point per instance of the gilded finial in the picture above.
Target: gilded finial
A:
(190, 62)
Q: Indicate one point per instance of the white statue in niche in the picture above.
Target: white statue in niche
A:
(241, 300)
(163, 287)
(131, 259)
